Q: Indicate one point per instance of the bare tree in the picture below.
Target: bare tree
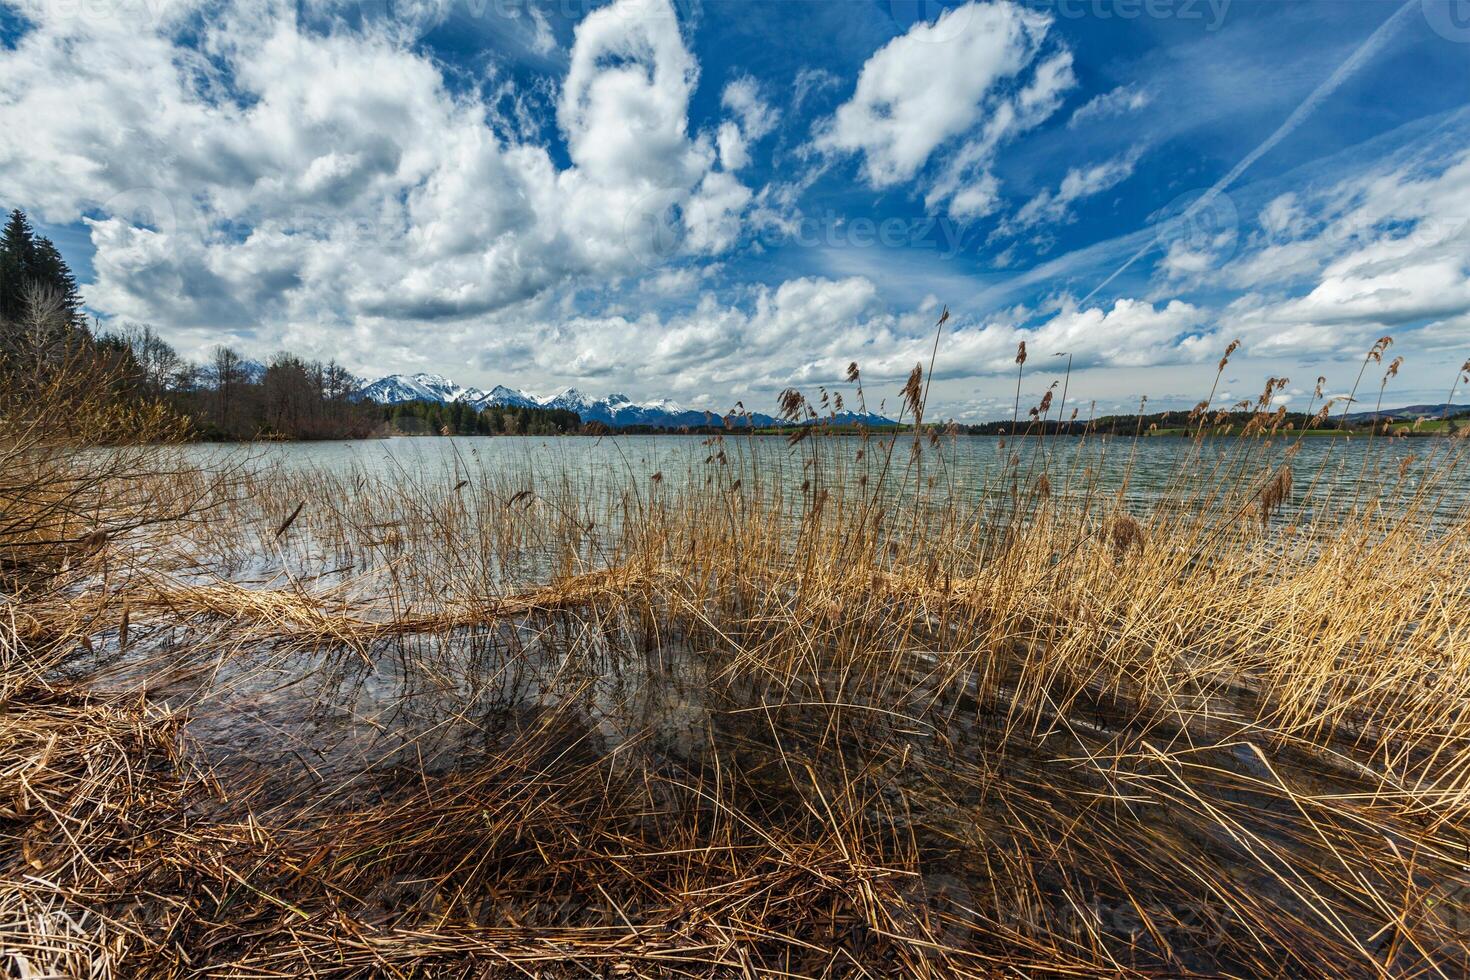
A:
(229, 374)
(158, 362)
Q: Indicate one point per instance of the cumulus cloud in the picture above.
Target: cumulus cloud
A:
(284, 173)
(976, 199)
(712, 220)
(1282, 217)
(805, 331)
(624, 105)
(742, 97)
(671, 282)
(924, 90)
(776, 338)
(753, 119)
(968, 167)
(1386, 251)
(543, 41)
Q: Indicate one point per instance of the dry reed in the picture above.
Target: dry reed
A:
(814, 710)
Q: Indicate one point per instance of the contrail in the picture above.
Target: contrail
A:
(1356, 60)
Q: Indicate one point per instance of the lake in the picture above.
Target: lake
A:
(1328, 472)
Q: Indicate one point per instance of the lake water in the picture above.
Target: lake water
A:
(1328, 472)
(316, 724)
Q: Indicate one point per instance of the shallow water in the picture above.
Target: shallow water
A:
(279, 693)
(319, 722)
(1144, 469)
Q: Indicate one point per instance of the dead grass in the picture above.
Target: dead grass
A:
(825, 710)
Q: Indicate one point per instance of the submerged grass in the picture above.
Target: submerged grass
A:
(800, 711)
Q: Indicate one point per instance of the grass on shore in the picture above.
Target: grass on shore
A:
(820, 717)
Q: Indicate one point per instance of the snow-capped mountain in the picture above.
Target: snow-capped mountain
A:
(418, 387)
(616, 410)
(573, 401)
(500, 395)
(620, 411)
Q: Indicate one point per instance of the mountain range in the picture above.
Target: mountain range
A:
(615, 410)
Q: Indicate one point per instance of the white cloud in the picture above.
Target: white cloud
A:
(248, 176)
(543, 41)
(624, 104)
(1118, 102)
(671, 282)
(1183, 260)
(1383, 252)
(929, 86)
(1079, 183)
(1132, 333)
(366, 188)
(734, 152)
(1358, 297)
(712, 217)
(965, 172)
(810, 81)
(754, 118)
(1282, 218)
(805, 331)
(742, 97)
(976, 199)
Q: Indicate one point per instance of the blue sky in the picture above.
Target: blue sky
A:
(715, 200)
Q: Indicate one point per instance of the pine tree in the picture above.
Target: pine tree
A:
(29, 261)
(17, 256)
(50, 271)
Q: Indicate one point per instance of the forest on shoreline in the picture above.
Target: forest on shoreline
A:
(44, 333)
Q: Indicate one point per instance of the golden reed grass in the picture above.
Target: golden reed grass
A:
(833, 708)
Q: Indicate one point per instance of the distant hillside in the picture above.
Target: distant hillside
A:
(1179, 422)
(1411, 412)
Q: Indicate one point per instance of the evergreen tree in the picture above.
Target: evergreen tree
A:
(31, 262)
(49, 270)
(17, 256)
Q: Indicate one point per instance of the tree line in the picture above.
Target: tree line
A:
(459, 419)
(230, 397)
(1173, 422)
(44, 335)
